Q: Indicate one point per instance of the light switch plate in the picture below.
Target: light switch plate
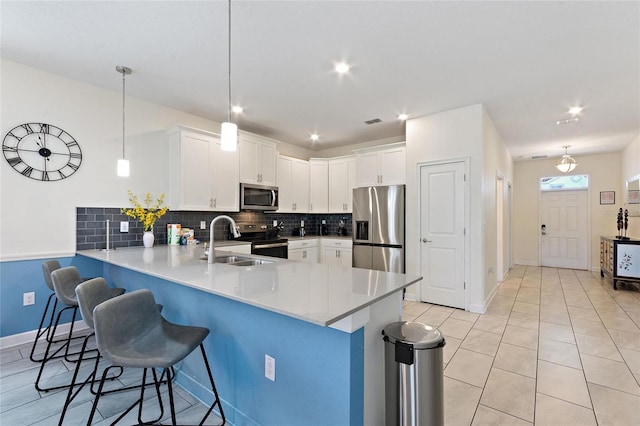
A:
(203, 224)
(270, 368)
(124, 226)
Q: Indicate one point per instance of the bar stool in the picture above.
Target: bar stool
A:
(130, 332)
(89, 295)
(65, 281)
(47, 268)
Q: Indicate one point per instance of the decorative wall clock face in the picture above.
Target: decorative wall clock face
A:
(42, 151)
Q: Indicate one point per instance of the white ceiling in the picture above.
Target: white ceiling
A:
(527, 62)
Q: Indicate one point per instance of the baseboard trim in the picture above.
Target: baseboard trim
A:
(525, 263)
(29, 336)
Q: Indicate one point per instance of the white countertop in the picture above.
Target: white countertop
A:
(318, 293)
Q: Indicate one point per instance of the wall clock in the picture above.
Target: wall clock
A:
(42, 151)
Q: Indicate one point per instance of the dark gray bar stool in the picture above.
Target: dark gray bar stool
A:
(47, 268)
(65, 281)
(130, 332)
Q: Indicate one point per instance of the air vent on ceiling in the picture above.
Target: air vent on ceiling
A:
(538, 157)
(373, 121)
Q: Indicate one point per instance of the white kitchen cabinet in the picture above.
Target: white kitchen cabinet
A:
(318, 185)
(201, 176)
(342, 180)
(293, 185)
(381, 167)
(304, 250)
(336, 251)
(258, 158)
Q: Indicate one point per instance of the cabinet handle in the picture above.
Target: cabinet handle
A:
(215, 202)
(210, 202)
(311, 207)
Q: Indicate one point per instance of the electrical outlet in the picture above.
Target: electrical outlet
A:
(324, 222)
(30, 299)
(270, 368)
(203, 224)
(302, 224)
(275, 223)
(124, 226)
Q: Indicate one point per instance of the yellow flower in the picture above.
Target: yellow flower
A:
(146, 215)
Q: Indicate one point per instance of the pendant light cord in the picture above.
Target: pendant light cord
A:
(123, 116)
(229, 65)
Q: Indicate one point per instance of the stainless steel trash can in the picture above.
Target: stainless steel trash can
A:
(414, 388)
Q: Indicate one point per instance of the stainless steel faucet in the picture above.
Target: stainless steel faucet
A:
(234, 231)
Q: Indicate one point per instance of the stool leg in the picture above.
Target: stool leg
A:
(47, 328)
(215, 391)
(71, 394)
(48, 357)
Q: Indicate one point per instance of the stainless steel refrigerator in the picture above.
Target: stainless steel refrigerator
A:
(378, 228)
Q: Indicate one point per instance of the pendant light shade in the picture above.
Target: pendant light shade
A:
(566, 163)
(229, 130)
(123, 163)
(229, 134)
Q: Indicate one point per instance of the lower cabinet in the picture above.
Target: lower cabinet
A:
(304, 250)
(619, 260)
(336, 251)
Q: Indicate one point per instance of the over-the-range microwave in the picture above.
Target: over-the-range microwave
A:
(258, 197)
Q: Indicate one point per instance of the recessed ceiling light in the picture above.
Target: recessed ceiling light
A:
(575, 110)
(237, 109)
(315, 137)
(341, 68)
(403, 117)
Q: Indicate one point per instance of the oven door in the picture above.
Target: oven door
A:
(280, 250)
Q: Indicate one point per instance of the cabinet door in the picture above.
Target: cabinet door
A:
(319, 186)
(296, 254)
(195, 186)
(248, 160)
(368, 170)
(338, 175)
(267, 164)
(312, 255)
(351, 182)
(225, 167)
(330, 256)
(344, 256)
(300, 185)
(285, 185)
(392, 166)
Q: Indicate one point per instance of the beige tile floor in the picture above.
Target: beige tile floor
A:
(555, 347)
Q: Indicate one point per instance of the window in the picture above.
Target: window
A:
(559, 183)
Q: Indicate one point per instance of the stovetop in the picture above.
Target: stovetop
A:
(258, 233)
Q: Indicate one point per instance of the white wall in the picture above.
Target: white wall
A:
(461, 134)
(630, 159)
(604, 175)
(37, 219)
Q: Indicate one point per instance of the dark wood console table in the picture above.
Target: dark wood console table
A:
(620, 260)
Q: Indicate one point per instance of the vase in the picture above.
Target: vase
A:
(148, 239)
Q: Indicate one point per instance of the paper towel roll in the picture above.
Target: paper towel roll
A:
(174, 232)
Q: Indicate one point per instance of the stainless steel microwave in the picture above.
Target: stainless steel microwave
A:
(258, 197)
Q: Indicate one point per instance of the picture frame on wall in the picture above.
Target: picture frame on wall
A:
(607, 197)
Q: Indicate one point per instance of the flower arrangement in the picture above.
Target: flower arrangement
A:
(146, 215)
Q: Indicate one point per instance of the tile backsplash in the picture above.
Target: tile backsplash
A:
(91, 224)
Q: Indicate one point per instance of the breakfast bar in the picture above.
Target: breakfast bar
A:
(321, 323)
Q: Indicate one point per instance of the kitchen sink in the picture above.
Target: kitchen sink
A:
(239, 260)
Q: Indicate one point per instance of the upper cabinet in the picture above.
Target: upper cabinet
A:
(201, 175)
(318, 186)
(381, 166)
(293, 185)
(257, 160)
(342, 180)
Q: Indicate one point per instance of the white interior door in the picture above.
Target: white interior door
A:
(442, 207)
(564, 229)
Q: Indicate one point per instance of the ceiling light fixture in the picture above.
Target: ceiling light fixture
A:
(568, 120)
(123, 163)
(341, 68)
(575, 110)
(229, 130)
(566, 163)
(403, 117)
(315, 137)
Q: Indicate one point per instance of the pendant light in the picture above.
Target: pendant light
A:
(123, 163)
(566, 163)
(229, 130)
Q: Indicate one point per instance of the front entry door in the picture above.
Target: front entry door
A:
(564, 229)
(442, 207)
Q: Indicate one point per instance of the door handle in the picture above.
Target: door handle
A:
(424, 240)
(543, 229)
